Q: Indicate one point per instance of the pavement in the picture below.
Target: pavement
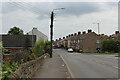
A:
(53, 68)
(90, 66)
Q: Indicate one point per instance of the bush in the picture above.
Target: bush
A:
(109, 45)
(47, 47)
(1, 47)
(8, 69)
(39, 47)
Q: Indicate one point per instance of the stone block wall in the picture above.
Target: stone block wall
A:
(28, 69)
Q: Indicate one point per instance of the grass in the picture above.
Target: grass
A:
(100, 53)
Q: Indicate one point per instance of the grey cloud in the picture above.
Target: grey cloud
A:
(43, 9)
(9, 7)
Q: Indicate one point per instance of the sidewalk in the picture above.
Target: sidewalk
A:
(52, 68)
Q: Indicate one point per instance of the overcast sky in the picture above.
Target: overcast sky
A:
(77, 16)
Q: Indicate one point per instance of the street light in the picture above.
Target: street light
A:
(51, 29)
(98, 27)
(98, 41)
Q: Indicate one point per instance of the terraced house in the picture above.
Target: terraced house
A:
(87, 42)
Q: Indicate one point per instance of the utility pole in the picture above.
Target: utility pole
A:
(51, 32)
(51, 29)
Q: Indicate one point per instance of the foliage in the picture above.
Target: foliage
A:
(47, 46)
(32, 57)
(15, 31)
(39, 47)
(8, 69)
(109, 45)
(1, 47)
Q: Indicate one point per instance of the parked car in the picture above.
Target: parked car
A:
(70, 50)
(80, 51)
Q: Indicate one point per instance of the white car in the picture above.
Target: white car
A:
(70, 50)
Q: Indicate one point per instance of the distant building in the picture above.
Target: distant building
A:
(87, 42)
(38, 34)
(115, 36)
(16, 43)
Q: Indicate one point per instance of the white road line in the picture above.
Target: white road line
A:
(69, 70)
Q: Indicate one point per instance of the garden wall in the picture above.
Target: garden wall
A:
(28, 69)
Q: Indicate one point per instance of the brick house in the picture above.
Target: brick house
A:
(87, 42)
(16, 43)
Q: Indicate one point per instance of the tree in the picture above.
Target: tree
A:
(110, 45)
(15, 31)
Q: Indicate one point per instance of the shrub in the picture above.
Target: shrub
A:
(1, 47)
(39, 47)
(8, 69)
(47, 46)
(109, 45)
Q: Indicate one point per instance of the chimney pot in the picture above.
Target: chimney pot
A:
(83, 32)
(79, 33)
(89, 30)
(116, 32)
(71, 34)
(75, 34)
(59, 38)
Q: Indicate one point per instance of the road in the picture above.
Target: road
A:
(89, 66)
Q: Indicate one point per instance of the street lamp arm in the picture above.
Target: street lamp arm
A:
(57, 9)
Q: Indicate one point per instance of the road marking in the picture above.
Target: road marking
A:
(116, 67)
(69, 70)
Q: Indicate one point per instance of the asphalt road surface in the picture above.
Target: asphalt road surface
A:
(89, 66)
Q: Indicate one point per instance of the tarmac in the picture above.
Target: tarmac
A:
(53, 68)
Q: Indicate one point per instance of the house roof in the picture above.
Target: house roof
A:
(17, 40)
(81, 36)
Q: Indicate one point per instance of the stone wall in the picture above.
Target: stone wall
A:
(28, 69)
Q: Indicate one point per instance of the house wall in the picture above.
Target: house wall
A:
(38, 34)
(89, 43)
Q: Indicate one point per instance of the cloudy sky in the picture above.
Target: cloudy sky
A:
(77, 16)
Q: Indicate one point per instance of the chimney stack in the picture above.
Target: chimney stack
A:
(71, 34)
(79, 33)
(116, 32)
(63, 37)
(59, 38)
(75, 34)
(83, 32)
(89, 30)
